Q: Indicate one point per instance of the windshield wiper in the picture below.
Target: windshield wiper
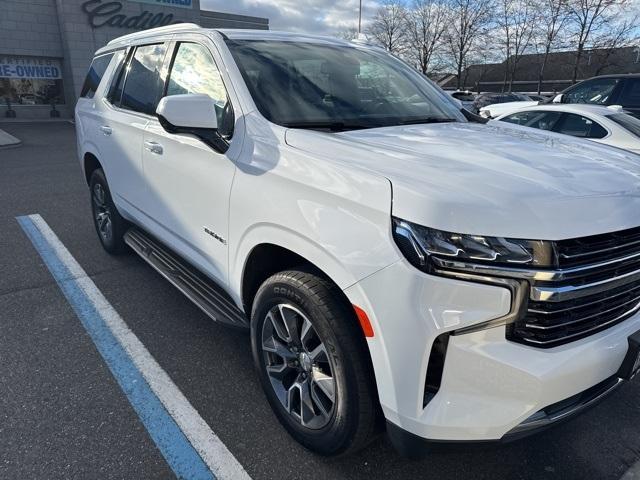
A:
(332, 126)
(417, 121)
(473, 117)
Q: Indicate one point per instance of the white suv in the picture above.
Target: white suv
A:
(393, 256)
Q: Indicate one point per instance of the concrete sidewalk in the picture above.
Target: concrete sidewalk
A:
(7, 140)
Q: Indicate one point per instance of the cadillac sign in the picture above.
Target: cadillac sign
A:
(108, 14)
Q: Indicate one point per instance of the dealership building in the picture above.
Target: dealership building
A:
(46, 46)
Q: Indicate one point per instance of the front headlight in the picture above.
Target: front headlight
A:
(430, 249)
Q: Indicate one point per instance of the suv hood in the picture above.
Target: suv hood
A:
(491, 179)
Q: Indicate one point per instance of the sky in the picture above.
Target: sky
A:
(324, 17)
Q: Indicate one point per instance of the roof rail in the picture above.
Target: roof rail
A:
(178, 27)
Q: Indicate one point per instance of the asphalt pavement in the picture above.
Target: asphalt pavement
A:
(63, 414)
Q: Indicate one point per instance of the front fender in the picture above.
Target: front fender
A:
(336, 217)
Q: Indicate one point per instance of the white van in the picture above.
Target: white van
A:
(393, 256)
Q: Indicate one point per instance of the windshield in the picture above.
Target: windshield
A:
(321, 86)
(632, 124)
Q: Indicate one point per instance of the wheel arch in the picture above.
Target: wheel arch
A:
(271, 258)
(90, 164)
(267, 259)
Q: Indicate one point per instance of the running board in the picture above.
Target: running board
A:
(197, 287)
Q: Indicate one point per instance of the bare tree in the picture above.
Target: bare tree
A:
(550, 18)
(469, 19)
(516, 20)
(595, 22)
(426, 24)
(348, 33)
(388, 28)
(623, 33)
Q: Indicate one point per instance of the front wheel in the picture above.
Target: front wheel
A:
(313, 363)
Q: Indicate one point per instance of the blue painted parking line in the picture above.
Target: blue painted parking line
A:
(188, 445)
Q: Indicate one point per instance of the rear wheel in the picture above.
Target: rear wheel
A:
(313, 363)
(110, 226)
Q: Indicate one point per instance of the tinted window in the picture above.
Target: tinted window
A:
(579, 126)
(534, 119)
(631, 94)
(95, 74)
(627, 121)
(194, 71)
(597, 91)
(117, 79)
(317, 85)
(143, 83)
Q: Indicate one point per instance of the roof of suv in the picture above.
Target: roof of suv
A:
(235, 34)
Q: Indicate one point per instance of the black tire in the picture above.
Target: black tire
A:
(111, 234)
(354, 417)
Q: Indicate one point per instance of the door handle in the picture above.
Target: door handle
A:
(106, 130)
(153, 147)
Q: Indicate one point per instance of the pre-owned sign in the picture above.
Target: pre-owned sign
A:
(30, 68)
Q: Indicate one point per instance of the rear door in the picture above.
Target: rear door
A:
(128, 107)
(88, 117)
(189, 183)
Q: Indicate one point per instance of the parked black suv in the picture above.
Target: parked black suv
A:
(621, 90)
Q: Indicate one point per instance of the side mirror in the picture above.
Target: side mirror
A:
(194, 110)
(195, 114)
(558, 98)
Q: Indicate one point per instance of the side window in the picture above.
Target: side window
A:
(143, 84)
(194, 71)
(117, 79)
(632, 124)
(95, 74)
(596, 91)
(579, 126)
(534, 119)
(631, 94)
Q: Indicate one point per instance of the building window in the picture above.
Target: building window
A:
(31, 81)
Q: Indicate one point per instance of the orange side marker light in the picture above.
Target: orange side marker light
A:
(365, 324)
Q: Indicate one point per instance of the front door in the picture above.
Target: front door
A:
(188, 182)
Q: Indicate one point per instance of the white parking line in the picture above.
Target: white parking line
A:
(96, 312)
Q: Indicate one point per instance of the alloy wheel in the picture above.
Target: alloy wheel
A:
(299, 367)
(102, 212)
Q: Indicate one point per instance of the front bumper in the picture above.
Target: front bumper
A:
(490, 387)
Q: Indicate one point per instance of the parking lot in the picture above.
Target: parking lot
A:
(64, 415)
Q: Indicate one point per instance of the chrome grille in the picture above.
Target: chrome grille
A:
(598, 248)
(596, 286)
